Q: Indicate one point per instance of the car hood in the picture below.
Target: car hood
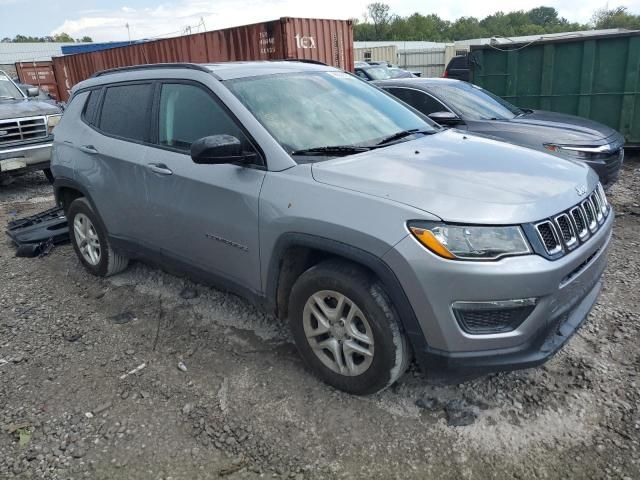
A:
(25, 108)
(561, 128)
(463, 178)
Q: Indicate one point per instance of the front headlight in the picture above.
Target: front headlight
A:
(52, 121)
(579, 152)
(463, 242)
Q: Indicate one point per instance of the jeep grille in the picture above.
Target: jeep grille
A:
(568, 229)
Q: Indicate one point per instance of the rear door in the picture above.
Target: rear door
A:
(112, 155)
(202, 215)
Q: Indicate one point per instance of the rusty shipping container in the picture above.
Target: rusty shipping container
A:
(327, 41)
(40, 74)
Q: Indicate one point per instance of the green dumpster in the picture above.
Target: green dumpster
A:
(594, 77)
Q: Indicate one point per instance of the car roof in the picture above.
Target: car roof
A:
(222, 71)
(231, 70)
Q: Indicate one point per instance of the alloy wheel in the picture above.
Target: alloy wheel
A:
(338, 332)
(87, 239)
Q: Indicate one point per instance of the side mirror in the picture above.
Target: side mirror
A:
(32, 92)
(218, 149)
(445, 118)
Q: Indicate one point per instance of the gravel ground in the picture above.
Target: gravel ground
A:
(221, 392)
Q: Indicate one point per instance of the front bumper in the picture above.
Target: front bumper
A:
(608, 169)
(565, 289)
(22, 158)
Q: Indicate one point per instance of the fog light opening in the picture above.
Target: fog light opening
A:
(497, 316)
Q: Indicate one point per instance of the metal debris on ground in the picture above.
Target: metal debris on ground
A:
(36, 235)
(182, 367)
(134, 371)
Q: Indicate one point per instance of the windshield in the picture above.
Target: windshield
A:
(474, 103)
(8, 89)
(310, 110)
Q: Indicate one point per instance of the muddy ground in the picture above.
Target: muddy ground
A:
(224, 394)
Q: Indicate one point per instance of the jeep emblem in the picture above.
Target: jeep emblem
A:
(581, 190)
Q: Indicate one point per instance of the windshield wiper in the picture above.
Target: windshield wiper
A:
(332, 150)
(402, 134)
(7, 97)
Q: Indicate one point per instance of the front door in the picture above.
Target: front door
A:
(203, 215)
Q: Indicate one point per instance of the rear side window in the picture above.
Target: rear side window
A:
(459, 62)
(421, 101)
(91, 107)
(126, 111)
(188, 113)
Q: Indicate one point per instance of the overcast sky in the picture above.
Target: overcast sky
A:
(105, 20)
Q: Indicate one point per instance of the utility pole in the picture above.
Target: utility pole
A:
(128, 31)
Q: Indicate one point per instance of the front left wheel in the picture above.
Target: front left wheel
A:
(90, 241)
(346, 329)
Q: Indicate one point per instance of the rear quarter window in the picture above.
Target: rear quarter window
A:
(421, 101)
(91, 107)
(126, 111)
(459, 62)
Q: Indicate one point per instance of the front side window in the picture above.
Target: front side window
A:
(188, 113)
(126, 111)
(474, 103)
(310, 110)
(421, 101)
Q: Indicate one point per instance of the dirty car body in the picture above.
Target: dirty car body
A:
(25, 130)
(490, 255)
(476, 110)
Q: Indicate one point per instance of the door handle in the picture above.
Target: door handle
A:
(90, 149)
(160, 168)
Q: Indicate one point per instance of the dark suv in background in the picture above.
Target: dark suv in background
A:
(458, 68)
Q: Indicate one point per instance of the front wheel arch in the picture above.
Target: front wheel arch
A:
(318, 249)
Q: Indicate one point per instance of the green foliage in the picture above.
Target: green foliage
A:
(615, 18)
(380, 24)
(58, 37)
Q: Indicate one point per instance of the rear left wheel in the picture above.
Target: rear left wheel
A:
(90, 241)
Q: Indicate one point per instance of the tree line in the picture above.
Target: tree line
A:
(379, 23)
(57, 38)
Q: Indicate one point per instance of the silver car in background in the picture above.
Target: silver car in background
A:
(379, 235)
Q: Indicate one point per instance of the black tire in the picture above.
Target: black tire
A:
(110, 262)
(49, 175)
(391, 350)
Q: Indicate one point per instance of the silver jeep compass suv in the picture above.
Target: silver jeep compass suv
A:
(377, 234)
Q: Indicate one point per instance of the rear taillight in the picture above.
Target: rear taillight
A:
(445, 74)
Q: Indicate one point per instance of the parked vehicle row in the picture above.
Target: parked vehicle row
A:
(26, 128)
(378, 234)
(370, 71)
